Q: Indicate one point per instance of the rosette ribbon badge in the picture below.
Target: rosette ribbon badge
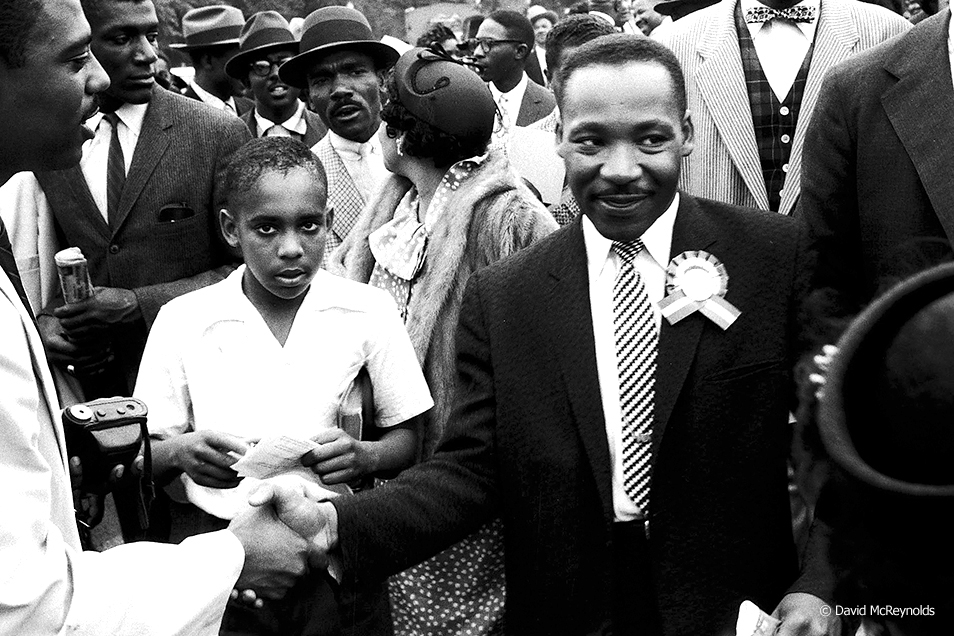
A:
(697, 281)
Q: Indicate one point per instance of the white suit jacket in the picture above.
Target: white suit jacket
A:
(47, 584)
(725, 162)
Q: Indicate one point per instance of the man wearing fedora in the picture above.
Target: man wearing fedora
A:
(211, 39)
(141, 205)
(343, 67)
(753, 72)
(265, 44)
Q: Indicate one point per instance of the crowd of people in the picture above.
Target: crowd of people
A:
(401, 381)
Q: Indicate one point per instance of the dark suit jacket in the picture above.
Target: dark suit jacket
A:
(532, 68)
(527, 439)
(537, 103)
(242, 104)
(878, 164)
(315, 130)
(180, 160)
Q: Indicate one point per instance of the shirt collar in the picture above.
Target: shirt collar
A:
(212, 100)
(807, 28)
(352, 149)
(131, 115)
(513, 93)
(296, 123)
(657, 239)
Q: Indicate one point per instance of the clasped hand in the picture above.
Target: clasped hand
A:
(284, 532)
(77, 333)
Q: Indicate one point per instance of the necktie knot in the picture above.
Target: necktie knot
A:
(113, 119)
(629, 249)
(798, 13)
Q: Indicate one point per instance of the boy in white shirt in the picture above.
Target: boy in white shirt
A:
(270, 351)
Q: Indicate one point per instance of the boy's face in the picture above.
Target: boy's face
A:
(280, 226)
(622, 138)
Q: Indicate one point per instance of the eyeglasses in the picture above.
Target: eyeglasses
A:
(262, 68)
(484, 44)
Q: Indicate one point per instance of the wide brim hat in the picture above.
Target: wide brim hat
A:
(331, 29)
(215, 25)
(265, 31)
(872, 449)
(445, 94)
(681, 8)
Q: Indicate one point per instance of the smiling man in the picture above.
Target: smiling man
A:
(141, 205)
(343, 67)
(265, 44)
(632, 439)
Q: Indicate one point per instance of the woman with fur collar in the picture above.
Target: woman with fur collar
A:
(448, 210)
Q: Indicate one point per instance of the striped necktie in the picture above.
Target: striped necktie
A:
(636, 348)
(115, 169)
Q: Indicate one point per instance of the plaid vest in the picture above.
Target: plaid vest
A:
(774, 121)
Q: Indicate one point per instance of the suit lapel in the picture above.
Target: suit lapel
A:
(678, 343)
(721, 84)
(152, 144)
(835, 41)
(74, 181)
(570, 321)
(919, 107)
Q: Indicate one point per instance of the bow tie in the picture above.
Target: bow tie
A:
(799, 13)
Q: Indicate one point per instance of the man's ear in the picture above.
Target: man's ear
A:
(688, 135)
(229, 227)
(521, 51)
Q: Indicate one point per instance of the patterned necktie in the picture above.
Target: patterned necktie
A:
(636, 348)
(9, 265)
(799, 13)
(115, 169)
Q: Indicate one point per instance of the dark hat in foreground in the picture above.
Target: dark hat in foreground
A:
(445, 94)
(214, 25)
(887, 413)
(332, 29)
(681, 8)
(265, 31)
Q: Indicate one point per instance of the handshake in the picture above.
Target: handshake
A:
(288, 528)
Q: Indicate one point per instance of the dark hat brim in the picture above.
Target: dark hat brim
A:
(182, 46)
(237, 66)
(681, 8)
(294, 72)
(879, 322)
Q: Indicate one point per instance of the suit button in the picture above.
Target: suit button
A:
(785, 168)
(114, 249)
(786, 139)
(783, 110)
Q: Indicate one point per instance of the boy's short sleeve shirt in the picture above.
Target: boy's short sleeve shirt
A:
(211, 362)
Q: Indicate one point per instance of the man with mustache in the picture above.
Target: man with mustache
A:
(265, 44)
(48, 585)
(343, 68)
(142, 203)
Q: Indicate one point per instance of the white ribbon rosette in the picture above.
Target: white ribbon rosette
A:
(697, 281)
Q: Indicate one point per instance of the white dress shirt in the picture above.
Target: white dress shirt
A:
(363, 161)
(294, 124)
(781, 46)
(602, 266)
(213, 101)
(509, 102)
(96, 150)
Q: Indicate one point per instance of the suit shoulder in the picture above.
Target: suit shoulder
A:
(872, 17)
(752, 223)
(196, 110)
(686, 30)
(533, 261)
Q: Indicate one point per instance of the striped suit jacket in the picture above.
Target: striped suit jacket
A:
(725, 163)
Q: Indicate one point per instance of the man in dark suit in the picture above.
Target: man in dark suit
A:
(636, 455)
(142, 205)
(265, 44)
(503, 42)
(211, 39)
(877, 192)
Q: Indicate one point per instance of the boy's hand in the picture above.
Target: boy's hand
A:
(203, 455)
(340, 459)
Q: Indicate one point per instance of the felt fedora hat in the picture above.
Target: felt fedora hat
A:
(886, 415)
(210, 26)
(332, 29)
(677, 9)
(265, 31)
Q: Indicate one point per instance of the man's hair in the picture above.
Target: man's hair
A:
(18, 22)
(93, 8)
(422, 140)
(573, 31)
(517, 25)
(270, 154)
(437, 33)
(617, 50)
